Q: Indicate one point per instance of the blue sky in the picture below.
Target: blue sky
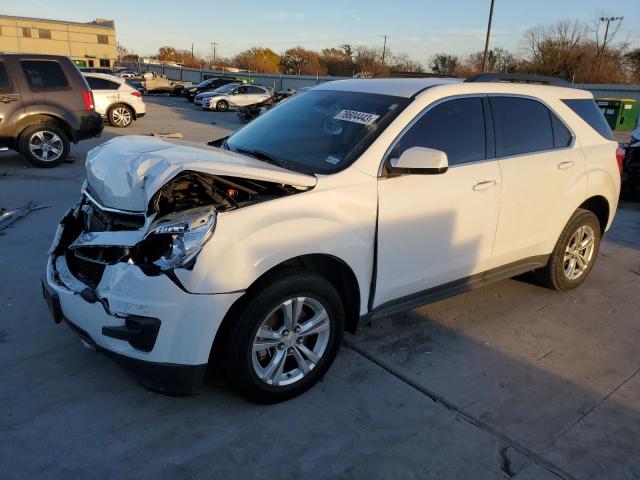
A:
(420, 28)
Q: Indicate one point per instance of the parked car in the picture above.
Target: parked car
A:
(157, 83)
(104, 70)
(136, 84)
(239, 96)
(115, 100)
(207, 86)
(126, 74)
(357, 199)
(45, 103)
(202, 96)
(629, 155)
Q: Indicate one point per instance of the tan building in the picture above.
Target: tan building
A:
(91, 44)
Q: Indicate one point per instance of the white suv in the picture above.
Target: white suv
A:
(115, 99)
(360, 198)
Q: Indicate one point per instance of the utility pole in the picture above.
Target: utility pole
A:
(192, 52)
(608, 20)
(213, 46)
(486, 42)
(384, 47)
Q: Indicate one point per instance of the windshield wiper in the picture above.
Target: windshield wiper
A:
(264, 156)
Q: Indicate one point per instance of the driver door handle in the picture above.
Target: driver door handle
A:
(7, 99)
(486, 185)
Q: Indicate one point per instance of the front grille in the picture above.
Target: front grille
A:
(89, 273)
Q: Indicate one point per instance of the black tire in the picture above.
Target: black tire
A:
(238, 341)
(46, 129)
(222, 106)
(113, 121)
(553, 274)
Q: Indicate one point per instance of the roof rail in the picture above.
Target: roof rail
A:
(518, 78)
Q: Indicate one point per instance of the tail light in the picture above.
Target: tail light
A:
(136, 94)
(87, 98)
(620, 157)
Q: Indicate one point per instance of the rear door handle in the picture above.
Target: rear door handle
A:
(486, 185)
(7, 99)
(565, 165)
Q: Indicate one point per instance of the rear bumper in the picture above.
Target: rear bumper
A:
(173, 358)
(85, 125)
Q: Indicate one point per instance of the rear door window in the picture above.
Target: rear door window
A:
(522, 126)
(587, 109)
(43, 74)
(455, 127)
(561, 135)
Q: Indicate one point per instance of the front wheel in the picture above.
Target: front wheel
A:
(574, 254)
(285, 338)
(222, 106)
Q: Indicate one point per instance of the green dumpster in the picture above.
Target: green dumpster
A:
(620, 113)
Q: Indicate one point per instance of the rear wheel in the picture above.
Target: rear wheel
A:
(285, 338)
(574, 254)
(44, 145)
(222, 106)
(120, 116)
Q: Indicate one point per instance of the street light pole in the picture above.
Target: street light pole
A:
(486, 42)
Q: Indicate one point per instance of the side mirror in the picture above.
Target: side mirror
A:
(420, 161)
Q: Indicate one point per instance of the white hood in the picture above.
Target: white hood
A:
(125, 172)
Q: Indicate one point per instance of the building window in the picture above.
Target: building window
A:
(26, 32)
(44, 33)
(104, 39)
(105, 62)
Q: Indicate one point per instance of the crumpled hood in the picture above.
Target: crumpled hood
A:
(125, 172)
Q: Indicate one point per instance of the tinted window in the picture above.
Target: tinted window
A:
(561, 134)
(44, 74)
(4, 78)
(456, 127)
(588, 110)
(255, 90)
(521, 126)
(101, 84)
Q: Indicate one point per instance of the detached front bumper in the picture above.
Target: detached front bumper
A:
(158, 331)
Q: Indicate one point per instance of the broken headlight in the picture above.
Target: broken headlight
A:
(182, 234)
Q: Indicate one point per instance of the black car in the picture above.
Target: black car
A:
(207, 86)
(631, 167)
(45, 103)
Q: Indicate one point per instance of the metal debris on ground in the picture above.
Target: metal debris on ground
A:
(166, 135)
(8, 217)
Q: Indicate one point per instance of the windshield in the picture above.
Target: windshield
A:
(320, 131)
(225, 88)
(206, 83)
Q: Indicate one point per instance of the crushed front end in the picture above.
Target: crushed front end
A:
(110, 277)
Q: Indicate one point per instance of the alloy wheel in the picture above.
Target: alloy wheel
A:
(579, 252)
(291, 341)
(121, 116)
(46, 146)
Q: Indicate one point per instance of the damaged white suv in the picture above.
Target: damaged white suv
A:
(358, 198)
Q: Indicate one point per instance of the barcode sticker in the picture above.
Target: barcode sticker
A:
(356, 117)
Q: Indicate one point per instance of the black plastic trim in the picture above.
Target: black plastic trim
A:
(168, 378)
(456, 287)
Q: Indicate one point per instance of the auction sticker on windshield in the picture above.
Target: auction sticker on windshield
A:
(356, 117)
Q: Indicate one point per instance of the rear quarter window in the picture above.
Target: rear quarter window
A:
(42, 74)
(4, 78)
(587, 109)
